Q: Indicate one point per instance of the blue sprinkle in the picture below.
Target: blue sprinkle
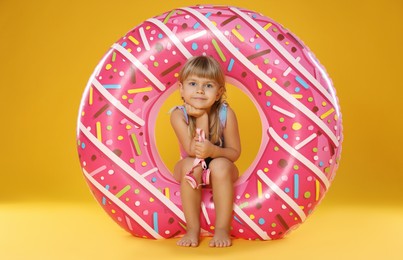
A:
(302, 82)
(103, 198)
(109, 112)
(237, 219)
(321, 164)
(83, 145)
(208, 14)
(257, 46)
(287, 190)
(297, 89)
(296, 186)
(194, 46)
(268, 103)
(153, 179)
(262, 221)
(112, 86)
(155, 221)
(196, 25)
(231, 64)
(160, 35)
(124, 44)
(285, 136)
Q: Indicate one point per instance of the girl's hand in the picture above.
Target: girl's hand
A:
(195, 112)
(204, 149)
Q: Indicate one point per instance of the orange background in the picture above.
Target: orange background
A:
(50, 48)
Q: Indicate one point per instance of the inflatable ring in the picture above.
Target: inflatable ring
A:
(299, 111)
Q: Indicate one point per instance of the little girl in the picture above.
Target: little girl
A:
(207, 130)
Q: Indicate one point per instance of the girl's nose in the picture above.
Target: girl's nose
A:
(200, 90)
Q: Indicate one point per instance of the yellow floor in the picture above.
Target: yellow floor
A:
(83, 231)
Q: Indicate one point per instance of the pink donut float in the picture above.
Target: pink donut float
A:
(299, 111)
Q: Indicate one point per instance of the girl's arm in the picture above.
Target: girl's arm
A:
(232, 143)
(181, 128)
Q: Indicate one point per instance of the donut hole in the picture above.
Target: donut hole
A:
(249, 122)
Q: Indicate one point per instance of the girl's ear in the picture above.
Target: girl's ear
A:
(219, 93)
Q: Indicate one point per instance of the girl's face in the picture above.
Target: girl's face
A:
(200, 93)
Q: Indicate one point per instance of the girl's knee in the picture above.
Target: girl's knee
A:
(183, 167)
(223, 169)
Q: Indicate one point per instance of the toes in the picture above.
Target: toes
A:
(186, 242)
(220, 243)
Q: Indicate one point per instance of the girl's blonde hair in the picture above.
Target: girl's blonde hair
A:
(206, 67)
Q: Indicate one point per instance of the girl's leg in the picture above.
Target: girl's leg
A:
(191, 200)
(223, 175)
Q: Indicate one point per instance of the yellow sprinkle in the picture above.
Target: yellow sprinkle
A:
(326, 114)
(259, 85)
(151, 199)
(108, 66)
(267, 26)
(143, 164)
(247, 195)
(167, 193)
(134, 40)
(252, 216)
(266, 169)
(128, 127)
(297, 96)
(139, 90)
(296, 126)
(238, 35)
(99, 133)
(90, 101)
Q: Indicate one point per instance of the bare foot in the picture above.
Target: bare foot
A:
(221, 239)
(190, 239)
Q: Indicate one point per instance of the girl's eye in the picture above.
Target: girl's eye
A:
(209, 85)
(192, 84)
